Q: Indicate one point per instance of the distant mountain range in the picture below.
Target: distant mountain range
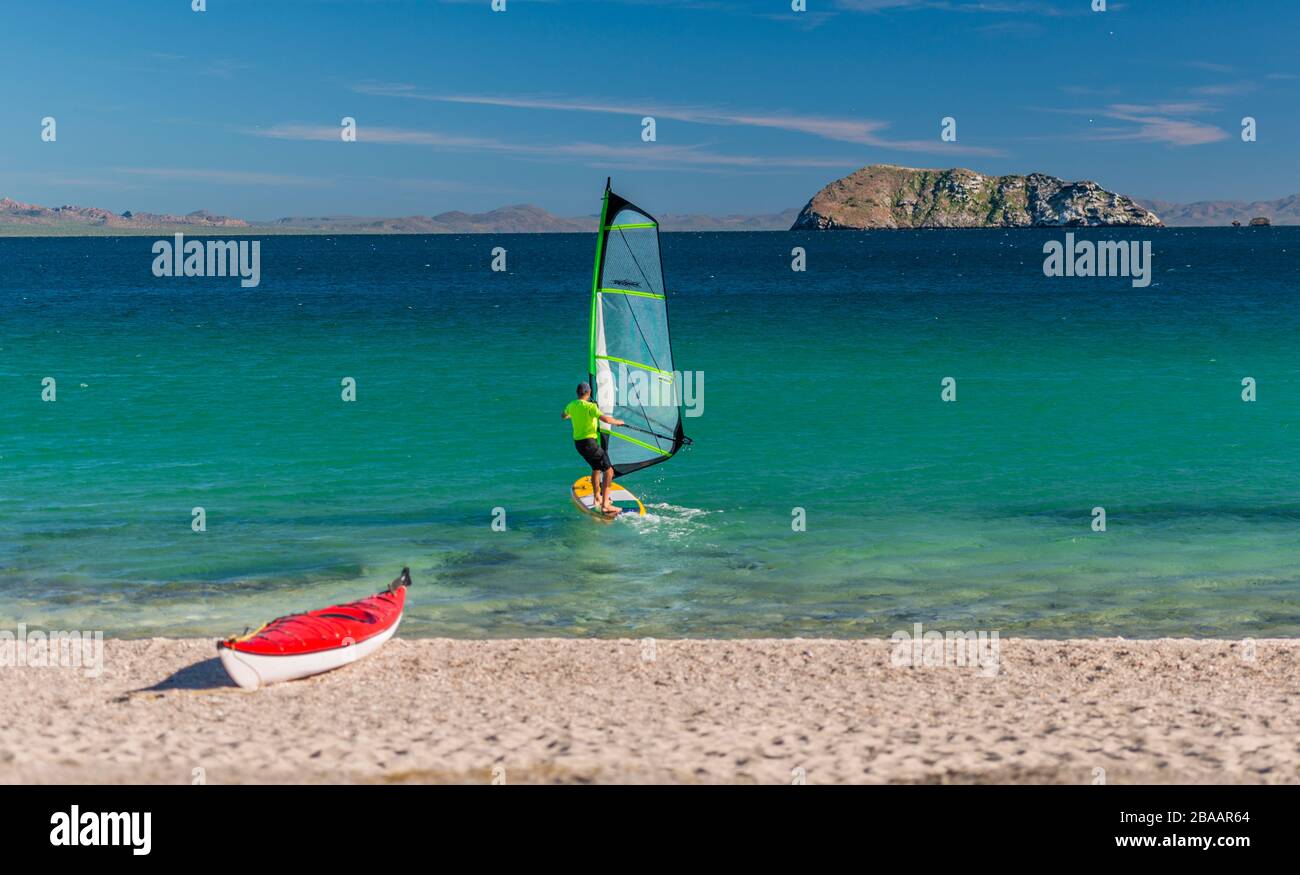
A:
(1283, 211)
(19, 219)
(519, 219)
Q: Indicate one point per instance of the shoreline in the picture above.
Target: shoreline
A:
(557, 710)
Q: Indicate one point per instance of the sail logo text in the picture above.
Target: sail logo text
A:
(241, 258)
(1130, 258)
(640, 388)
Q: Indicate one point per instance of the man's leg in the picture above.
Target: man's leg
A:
(595, 488)
(609, 476)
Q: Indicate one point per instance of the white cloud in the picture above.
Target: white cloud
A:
(1153, 123)
(862, 132)
(659, 155)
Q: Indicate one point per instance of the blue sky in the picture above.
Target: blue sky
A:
(237, 109)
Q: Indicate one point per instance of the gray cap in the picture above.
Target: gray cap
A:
(584, 388)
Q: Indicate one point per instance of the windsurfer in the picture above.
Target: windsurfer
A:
(586, 439)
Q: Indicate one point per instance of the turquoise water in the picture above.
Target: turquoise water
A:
(821, 391)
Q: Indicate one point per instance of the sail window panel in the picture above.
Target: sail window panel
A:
(640, 394)
(632, 259)
(629, 455)
(636, 330)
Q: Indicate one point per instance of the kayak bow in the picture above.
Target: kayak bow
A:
(299, 645)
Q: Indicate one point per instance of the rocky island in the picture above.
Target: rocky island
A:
(889, 196)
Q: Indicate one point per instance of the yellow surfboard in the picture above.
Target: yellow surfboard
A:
(624, 501)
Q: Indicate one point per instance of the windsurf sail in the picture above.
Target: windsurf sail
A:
(631, 362)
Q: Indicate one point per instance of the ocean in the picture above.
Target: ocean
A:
(821, 392)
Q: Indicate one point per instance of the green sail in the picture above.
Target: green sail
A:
(631, 360)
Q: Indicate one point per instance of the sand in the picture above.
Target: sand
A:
(601, 711)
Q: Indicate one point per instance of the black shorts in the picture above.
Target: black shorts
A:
(591, 450)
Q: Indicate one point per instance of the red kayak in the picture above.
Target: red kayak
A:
(300, 645)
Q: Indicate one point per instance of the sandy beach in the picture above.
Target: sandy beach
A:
(615, 711)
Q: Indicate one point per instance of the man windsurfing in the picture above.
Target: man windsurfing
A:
(586, 439)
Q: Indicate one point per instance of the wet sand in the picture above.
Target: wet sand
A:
(610, 711)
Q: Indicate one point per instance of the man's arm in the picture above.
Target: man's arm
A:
(611, 420)
(564, 415)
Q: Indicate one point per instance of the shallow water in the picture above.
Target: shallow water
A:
(821, 391)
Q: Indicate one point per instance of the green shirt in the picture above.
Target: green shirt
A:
(585, 415)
